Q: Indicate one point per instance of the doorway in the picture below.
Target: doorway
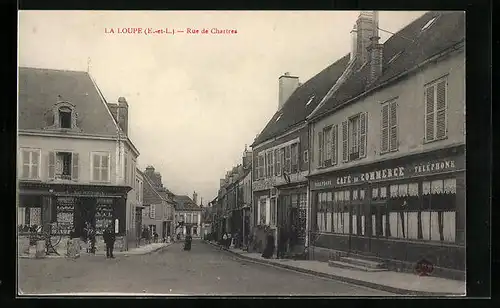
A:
(164, 230)
(84, 213)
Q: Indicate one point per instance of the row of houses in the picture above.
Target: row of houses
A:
(77, 164)
(367, 158)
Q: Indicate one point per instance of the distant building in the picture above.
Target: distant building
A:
(159, 205)
(187, 216)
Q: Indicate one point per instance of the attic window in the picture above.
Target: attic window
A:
(394, 57)
(428, 24)
(279, 117)
(65, 117)
(310, 100)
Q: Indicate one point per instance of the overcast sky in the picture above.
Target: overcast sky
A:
(195, 100)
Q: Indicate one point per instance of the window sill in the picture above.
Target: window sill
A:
(31, 179)
(388, 152)
(435, 140)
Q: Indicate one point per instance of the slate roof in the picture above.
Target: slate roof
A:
(185, 203)
(415, 46)
(39, 90)
(295, 111)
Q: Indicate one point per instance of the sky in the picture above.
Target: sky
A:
(195, 100)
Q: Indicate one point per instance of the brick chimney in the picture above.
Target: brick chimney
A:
(366, 28)
(287, 85)
(375, 52)
(354, 42)
(247, 158)
(120, 113)
(155, 177)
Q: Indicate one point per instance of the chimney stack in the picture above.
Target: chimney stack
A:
(195, 198)
(354, 42)
(287, 85)
(366, 28)
(120, 113)
(375, 52)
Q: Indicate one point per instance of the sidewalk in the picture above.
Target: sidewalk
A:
(399, 283)
(143, 250)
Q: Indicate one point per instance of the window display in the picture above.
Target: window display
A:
(104, 214)
(65, 214)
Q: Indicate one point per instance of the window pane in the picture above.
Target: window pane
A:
(105, 162)
(104, 174)
(97, 161)
(95, 174)
(26, 157)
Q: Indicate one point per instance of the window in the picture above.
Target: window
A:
(261, 166)
(321, 147)
(306, 156)
(165, 211)
(65, 117)
(100, 167)
(273, 212)
(146, 211)
(152, 211)
(389, 127)
(277, 162)
(327, 147)
(270, 163)
(294, 149)
(182, 217)
(30, 163)
(63, 165)
(282, 160)
(354, 138)
(262, 211)
(195, 218)
(435, 110)
(287, 159)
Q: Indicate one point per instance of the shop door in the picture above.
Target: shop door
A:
(85, 213)
(378, 211)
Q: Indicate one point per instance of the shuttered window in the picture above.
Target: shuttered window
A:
(435, 110)
(271, 163)
(335, 137)
(75, 166)
(30, 166)
(363, 129)
(327, 147)
(345, 142)
(100, 167)
(389, 140)
(320, 149)
(288, 159)
(294, 149)
(277, 164)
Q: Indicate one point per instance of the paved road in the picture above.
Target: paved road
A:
(203, 270)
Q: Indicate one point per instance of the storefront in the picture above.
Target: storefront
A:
(292, 214)
(399, 211)
(66, 207)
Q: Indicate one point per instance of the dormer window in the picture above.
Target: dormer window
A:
(65, 117)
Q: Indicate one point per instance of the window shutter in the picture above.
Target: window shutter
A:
(335, 146)
(320, 149)
(25, 159)
(363, 121)
(75, 162)
(441, 109)
(35, 164)
(152, 211)
(384, 132)
(105, 168)
(52, 165)
(345, 141)
(276, 157)
(393, 120)
(429, 113)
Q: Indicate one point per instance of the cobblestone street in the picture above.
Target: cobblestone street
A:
(203, 270)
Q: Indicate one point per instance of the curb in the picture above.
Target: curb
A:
(353, 281)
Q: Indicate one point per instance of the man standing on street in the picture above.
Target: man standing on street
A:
(109, 239)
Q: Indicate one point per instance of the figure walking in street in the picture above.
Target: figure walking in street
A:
(224, 240)
(109, 239)
(269, 250)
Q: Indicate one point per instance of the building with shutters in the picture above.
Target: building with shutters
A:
(187, 216)
(158, 205)
(281, 157)
(387, 167)
(73, 148)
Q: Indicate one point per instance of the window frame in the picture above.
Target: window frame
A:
(390, 125)
(101, 154)
(433, 84)
(327, 145)
(21, 161)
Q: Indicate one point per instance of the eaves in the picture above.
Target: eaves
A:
(292, 129)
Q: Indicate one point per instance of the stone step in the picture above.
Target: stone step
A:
(362, 262)
(354, 266)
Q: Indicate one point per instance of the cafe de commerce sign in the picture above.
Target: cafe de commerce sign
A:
(397, 172)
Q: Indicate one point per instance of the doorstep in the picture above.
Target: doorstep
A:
(398, 283)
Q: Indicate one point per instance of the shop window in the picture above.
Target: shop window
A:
(341, 212)
(439, 210)
(358, 217)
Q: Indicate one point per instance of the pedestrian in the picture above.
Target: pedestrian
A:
(229, 240)
(109, 239)
(224, 240)
(155, 237)
(269, 250)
